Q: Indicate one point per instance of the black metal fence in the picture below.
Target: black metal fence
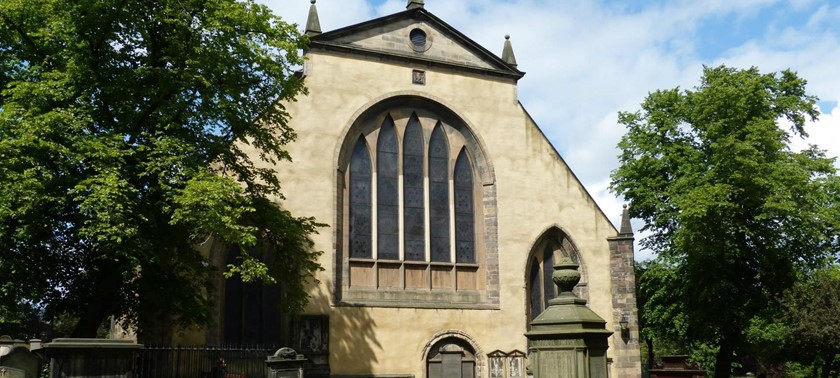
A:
(199, 361)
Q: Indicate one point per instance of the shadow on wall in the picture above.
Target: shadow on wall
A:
(353, 345)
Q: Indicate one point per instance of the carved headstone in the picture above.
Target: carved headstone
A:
(10, 372)
(16, 358)
(285, 363)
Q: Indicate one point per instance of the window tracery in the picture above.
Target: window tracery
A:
(412, 200)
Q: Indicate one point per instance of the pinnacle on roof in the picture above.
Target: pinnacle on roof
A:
(507, 53)
(313, 25)
(626, 228)
(414, 4)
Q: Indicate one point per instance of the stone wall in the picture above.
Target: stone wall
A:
(625, 349)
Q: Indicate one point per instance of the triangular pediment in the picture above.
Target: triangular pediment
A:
(396, 36)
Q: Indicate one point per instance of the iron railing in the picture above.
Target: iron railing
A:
(198, 361)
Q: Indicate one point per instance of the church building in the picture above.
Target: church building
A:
(446, 206)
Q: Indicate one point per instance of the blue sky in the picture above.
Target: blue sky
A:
(588, 60)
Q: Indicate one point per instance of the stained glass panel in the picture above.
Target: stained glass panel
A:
(535, 292)
(387, 197)
(464, 218)
(360, 201)
(439, 195)
(414, 213)
(549, 290)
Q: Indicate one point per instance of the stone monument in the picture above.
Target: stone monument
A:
(568, 340)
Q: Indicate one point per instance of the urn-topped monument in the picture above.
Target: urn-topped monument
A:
(568, 340)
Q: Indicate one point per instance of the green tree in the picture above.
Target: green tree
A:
(729, 206)
(130, 132)
(811, 310)
(661, 323)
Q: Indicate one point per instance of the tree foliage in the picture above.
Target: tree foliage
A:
(131, 131)
(811, 310)
(732, 211)
(661, 324)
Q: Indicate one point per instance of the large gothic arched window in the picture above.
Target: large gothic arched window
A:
(409, 209)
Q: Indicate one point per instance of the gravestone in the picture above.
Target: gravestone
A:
(676, 367)
(16, 358)
(10, 372)
(285, 363)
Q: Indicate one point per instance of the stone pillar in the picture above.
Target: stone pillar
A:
(568, 340)
(626, 353)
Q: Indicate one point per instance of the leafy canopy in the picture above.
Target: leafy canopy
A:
(131, 131)
(732, 211)
(811, 309)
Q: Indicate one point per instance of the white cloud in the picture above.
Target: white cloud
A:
(332, 14)
(825, 133)
(587, 60)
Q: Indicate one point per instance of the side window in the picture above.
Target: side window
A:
(551, 246)
(251, 313)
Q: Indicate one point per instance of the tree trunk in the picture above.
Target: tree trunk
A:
(829, 360)
(89, 322)
(723, 360)
(102, 301)
(650, 355)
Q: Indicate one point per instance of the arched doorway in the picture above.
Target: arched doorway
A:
(451, 358)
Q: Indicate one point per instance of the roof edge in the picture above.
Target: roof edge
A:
(326, 46)
(419, 13)
(585, 190)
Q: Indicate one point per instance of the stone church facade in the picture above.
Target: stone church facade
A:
(447, 208)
